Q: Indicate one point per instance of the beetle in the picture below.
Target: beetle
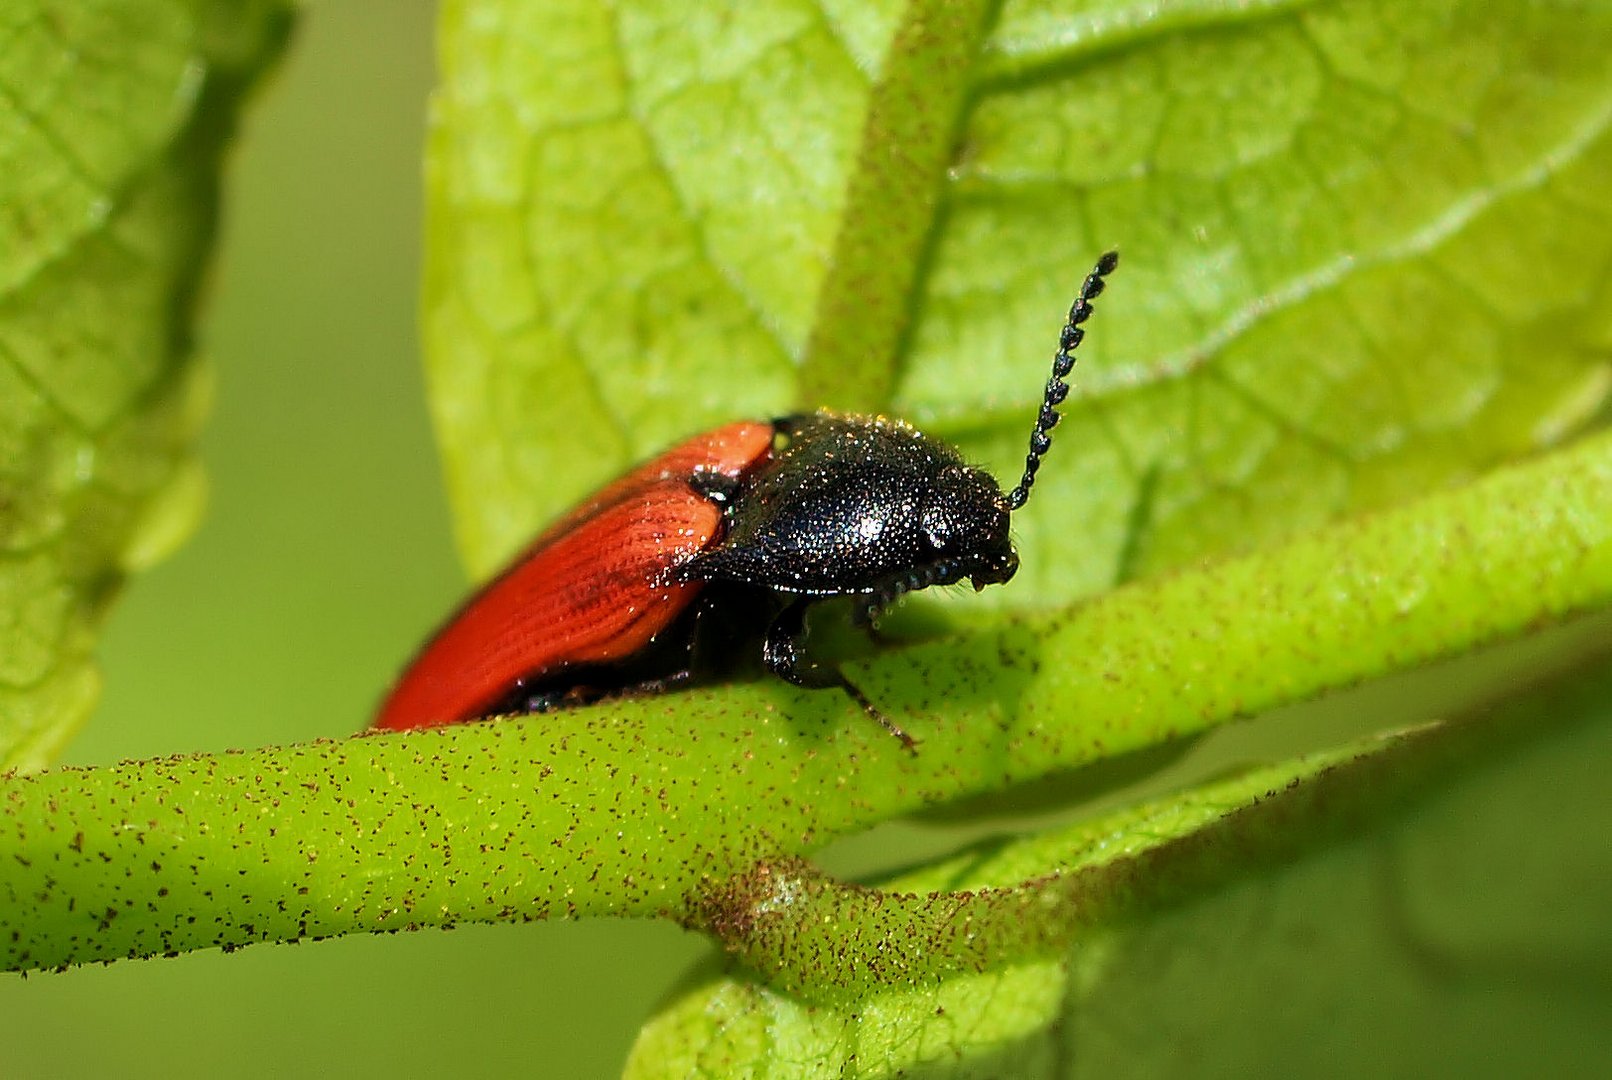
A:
(736, 531)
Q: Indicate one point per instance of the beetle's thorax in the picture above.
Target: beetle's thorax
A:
(862, 505)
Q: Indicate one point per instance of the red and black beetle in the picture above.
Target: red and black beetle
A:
(735, 533)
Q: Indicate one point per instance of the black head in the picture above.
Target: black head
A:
(964, 525)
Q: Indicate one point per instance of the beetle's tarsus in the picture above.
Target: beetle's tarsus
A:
(784, 654)
(908, 743)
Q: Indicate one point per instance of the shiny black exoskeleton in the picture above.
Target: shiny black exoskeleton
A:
(858, 505)
(872, 508)
(855, 506)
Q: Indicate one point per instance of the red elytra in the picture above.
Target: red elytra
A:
(595, 587)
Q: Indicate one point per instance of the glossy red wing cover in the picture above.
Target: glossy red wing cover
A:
(728, 451)
(595, 592)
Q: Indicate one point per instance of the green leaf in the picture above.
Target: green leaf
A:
(1366, 249)
(112, 120)
(1324, 913)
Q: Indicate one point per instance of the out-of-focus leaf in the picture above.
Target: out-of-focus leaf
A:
(113, 117)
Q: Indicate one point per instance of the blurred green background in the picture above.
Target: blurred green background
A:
(323, 558)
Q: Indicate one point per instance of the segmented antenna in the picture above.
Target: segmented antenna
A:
(1062, 362)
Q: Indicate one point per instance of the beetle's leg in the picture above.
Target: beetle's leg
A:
(666, 663)
(784, 650)
(535, 698)
(907, 741)
(784, 655)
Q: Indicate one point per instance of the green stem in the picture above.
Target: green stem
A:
(891, 200)
(824, 940)
(629, 809)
